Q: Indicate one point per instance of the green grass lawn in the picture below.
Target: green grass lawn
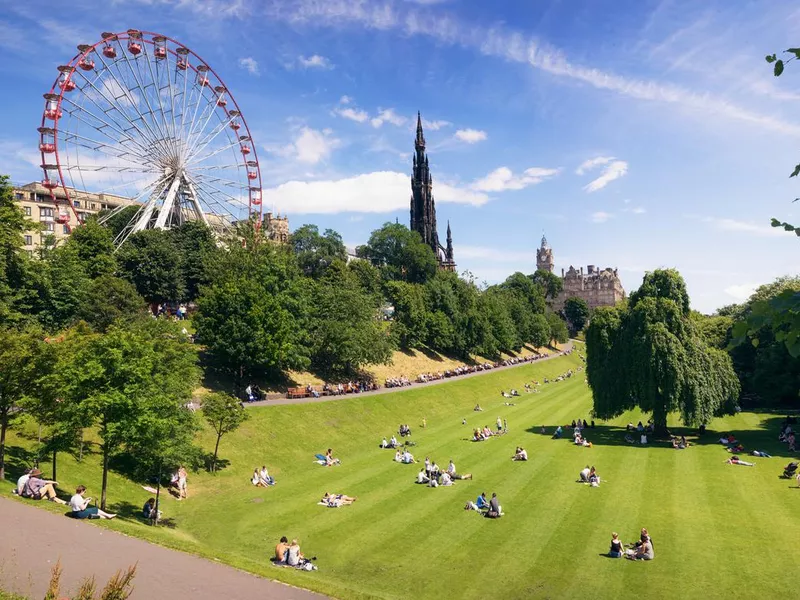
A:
(718, 530)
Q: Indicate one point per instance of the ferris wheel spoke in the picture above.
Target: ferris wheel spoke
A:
(221, 210)
(100, 125)
(146, 190)
(116, 107)
(193, 136)
(111, 168)
(199, 159)
(214, 190)
(169, 135)
(73, 139)
(219, 167)
(230, 183)
(194, 149)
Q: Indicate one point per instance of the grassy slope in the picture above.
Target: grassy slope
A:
(717, 528)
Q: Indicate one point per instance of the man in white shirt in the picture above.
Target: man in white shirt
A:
(451, 468)
(22, 481)
(585, 474)
(422, 477)
(446, 479)
(408, 458)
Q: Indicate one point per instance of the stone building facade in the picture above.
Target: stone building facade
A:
(276, 228)
(598, 287)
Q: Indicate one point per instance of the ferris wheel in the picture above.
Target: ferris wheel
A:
(140, 116)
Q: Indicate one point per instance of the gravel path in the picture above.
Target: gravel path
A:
(279, 401)
(32, 541)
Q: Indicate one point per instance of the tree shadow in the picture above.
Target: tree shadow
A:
(130, 513)
(18, 460)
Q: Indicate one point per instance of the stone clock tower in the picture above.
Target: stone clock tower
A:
(544, 257)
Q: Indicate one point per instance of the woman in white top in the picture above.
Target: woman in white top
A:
(81, 509)
(256, 480)
(264, 476)
(446, 479)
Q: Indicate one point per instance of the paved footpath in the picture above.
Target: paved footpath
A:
(32, 541)
(384, 390)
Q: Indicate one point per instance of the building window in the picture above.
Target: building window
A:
(18, 196)
(94, 206)
(66, 229)
(76, 203)
(45, 212)
(29, 240)
(49, 227)
(27, 211)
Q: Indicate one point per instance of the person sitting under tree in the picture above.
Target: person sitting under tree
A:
(81, 509)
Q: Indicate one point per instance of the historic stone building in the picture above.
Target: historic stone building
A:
(276, 228)
(423, 207)
(598, 287)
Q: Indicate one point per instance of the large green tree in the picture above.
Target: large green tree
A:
(197, 247)
(317, 252)
(400, 253)
(576, 310)
(17, 294)
(23, 364)
(550, 283)
(94, 246)
(109, 299)
(128, 382)
(650, 355)
(151, 261)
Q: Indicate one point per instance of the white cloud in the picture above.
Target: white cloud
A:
(590, 164)
(613, 170)
(345, 100)
(503, 178)
(726, 224)
(250, 64)
(639, 210)
(387, 116)
(377, 192)
(471, 136)
(513, 45)
(600, 217)
(435, 125)
(310, 146)
(314, 62)
(741, 292)
(354, 114)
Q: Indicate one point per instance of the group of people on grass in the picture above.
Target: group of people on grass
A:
(787, 433)
(640, 550)
(589, 475)
(404, 456)
(261, 478)
(336, 500)
(327, 459)
(289, 555)
(432, 476)
(490, 509)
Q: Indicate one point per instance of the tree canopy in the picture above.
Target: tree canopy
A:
(401, 254)
(650, 355)
(576, 310)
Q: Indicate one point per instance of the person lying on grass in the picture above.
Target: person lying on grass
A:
(760, 453)
(81, 509)
(735, 460)
(336, 500)
(451, 470)
(520, 454)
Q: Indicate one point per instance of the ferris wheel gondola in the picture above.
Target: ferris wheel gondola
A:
(142, 116)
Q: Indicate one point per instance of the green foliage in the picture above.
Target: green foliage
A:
(117, 222)
(17, 295)
(715, 330)
(253, 318)
(577, 312)
(151, 261)
(651, 355)
(662, 283)
(315, 252)
(401, 254)
(94, 247)
(197, 247)
(110, 299)
(63, 283)
(410, 324)
(24, 361)
(225, 414)
(550, 283)
(557, 328)
(132, 383)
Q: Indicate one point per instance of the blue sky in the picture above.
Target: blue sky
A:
(635, 134)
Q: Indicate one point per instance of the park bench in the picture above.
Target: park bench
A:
(297, 392)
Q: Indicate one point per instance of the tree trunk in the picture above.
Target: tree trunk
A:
(54, 475)
(3, 427)
(216, 449)
(660, 417)
(158, 493)
(80, 447)
(105, 476)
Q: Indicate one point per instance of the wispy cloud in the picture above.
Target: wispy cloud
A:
(435, 125)
(309, 146)
(249, 64)
(590, 164)
(470, 136)
(726, 224)
(354, 114)
(387, 115)
(614, 170)
(742, 291)
(600, 217)
(514, 46)
(314, 62)
(502, 179)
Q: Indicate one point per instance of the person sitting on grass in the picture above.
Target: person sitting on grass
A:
(616, 550)
(584, 474)
(643, 439)
(81, 509)
(281, 549)
(149, 510)
(393, 442)
(384, 443)
(586, 443)
(736, 448)
(487, 433)
(520, 454)
(422, 477)
(735, 460)
(398, 456)
(407, 458)
(295, 558)
(337, 500)
(495, 510)
(264, 477)
(256, 480)
(477, 408)
(558, 433)
(445, 479)
(482, 503)
(451, 470)
(329, 460)
(594, 478)
(37, 488)
(644, 551)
